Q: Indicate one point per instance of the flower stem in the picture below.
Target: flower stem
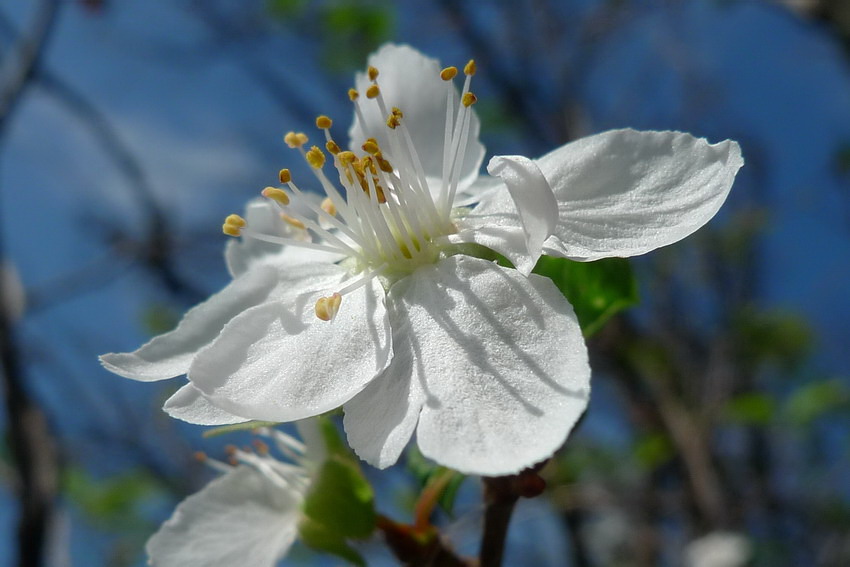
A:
(500, 496)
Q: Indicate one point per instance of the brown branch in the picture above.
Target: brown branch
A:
(31, 442)
(500, 496)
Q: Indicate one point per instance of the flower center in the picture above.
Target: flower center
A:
(388, 219)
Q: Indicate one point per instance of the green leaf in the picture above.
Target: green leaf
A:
(814, 400)
(321, 538)
(342, 500)
(112, 501)
(597, 290)
(427, 472)
(752, 408)
(652, 450)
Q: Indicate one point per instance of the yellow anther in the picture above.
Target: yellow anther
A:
(332, 147)
(328, 206)
(346, 157)
(284, 175)
(373, 73)
(235, 220)
(383, 164)
(469, 99)
(231, 230)
(373, 91)
(397, 112)
(353, 94)
(328, 307)
(371, 147)
(448, 73)
(292, 221)
(260, 447)
(295, 139)
(469, 68)
(276, 194)
(315, 157)
(323, 122)
(393, 121)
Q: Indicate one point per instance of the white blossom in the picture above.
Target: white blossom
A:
(377, 298)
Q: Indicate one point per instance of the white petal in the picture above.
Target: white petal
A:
(380, 420)
(190, 405)
(623, 193)
(279, 362)
(170, 354)
(501, 361)
(241, 518)
(411, 82)
(534, 200)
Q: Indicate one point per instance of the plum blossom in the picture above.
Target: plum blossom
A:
(379, 297)
(249, 515)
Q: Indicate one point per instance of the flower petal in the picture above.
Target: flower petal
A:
(170, 354)
(501, 360)
(188, 404)
(534, 200)
(411, 82)
(279, 362)
(241, 518)
(623, 192)
(380, 420)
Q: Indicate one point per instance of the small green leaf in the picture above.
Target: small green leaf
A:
(752, 408)
(597, 290)
(814, 400)
(427, 472)
(342, 500)
(321, 538)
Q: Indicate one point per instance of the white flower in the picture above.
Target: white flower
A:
(372, 300)
(248, 516)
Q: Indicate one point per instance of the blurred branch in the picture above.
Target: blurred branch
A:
(32, 443)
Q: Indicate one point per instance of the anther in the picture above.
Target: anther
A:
(373, 73)
(332, 147)
(323, 122)
(260, 447)
(328, 206)
(233, 225)
(373, 91)
(393, 122)
(328, 307)
(276, 194)
(469, 68)
(295, 139)
(397, 112)
(346, 157)
(292, 221)
(469, 99)
(448, 73)
(200, 456)
(285, 176)
(315, 157)
(371, 146)
(353, 94)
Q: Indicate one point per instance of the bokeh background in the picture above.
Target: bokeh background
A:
(721, 403)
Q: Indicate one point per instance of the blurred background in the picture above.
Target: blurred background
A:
(719, 421)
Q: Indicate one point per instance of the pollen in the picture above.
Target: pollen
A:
(373, 73)
(323, 122)
(284, 175)
(277, 195)
(353, 94)
(469, 68)
(469, 99)
(328, 206)
(393, 122)
(371, 146)
(373, 91)
(315, 157)
(332, 147)
(328, 307)
(292, 221)
(295, 139)
(233, 225)
(448, 73)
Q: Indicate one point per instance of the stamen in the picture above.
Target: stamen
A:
(469, 99)
(353, 94)
(323, 122)
(292, 221)
(371, 146)
(278, 195)
(284, 175)
(328, 307)
(328, 206)
(448, 73)
(373, 91)
(332, 147)
(233, 225)
(373, 73)
(470, 68)
(315, 157)
(295, 139)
